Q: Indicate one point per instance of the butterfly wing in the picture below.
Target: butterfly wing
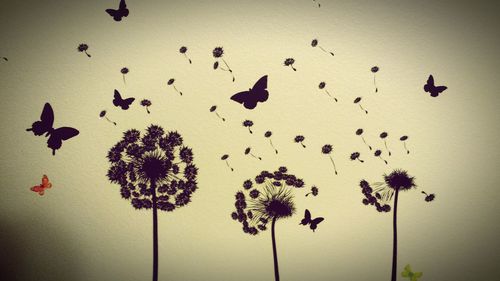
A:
(259, 91)
(315, 222)
(45, 182)
(64, 133)
(117, 100)
(245, 99)
(430, 84)
(307, 218)
(123, 8)
(438, 90)
(112, 12)
(46, 121)
(126, 103)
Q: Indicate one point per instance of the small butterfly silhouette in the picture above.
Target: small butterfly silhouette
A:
(40, 189)
(433, 90)
(45, 126)
(118, 101)
(413, 276)
(120, 13)
(250, 98)
(313, 222)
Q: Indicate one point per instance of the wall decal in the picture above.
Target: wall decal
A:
(321, 86)
(248, 151)
(40, 189)
(248, 124)
(120, 13)
(378, 154)
(404, 139)
(429, 87)
(146, 103)
(254, 95)
(359, 132)
(327, 150)
(171, 82)
(358, 102)
(429, 197)
(224, 158)
(118, 101)
(213, 108)
(383, 136)
(155, 172)
(300, 139)
(314, 191)
(183, 51)
(313, 223)
(45, 126)
(289, 62)
(268, 135)
(314, 44)
(374, 70)
(102, 114)
(218, 52)
(83, 48)
(355, 156)
(124, 71)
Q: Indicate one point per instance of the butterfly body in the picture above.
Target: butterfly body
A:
(433, 89)
(307, 220)
(45, 126)
(413, 276)
(118, 101)
(40, 189)
(120, 13)
(254, 95)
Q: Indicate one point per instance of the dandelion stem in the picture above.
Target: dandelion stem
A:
(293, 67)
(124, 79)
(147, 109)
(250, 130)
(256, 157)
(395, 239)
(326, 51)
(175, 88)
(375, 83)
(302, 145)
(366, 111)
(88, 55)
(385, 143)
(369, 146)
(275, 254)
(223, 119)
(334, 167)
(229, 68)
(227, 163)
(155, 233)
(187, 58)
(407, 151)
(271, 142)
(361, 160)
(110, 120)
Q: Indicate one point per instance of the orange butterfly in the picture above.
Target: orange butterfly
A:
(41, 188)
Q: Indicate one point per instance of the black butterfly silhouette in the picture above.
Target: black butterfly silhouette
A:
(120, 13)
(123, 103)
(434, 90)
(250, 98)
(45, 126)
(313, 222)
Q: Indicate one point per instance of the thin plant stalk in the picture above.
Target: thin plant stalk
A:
(228, 68)
(271, 142)
(395, 239)
(385, 143)
(275, 253)
(175, 88)
(110, 120)
(155, 233)
(328, 93)
(369, 146)
(334, 167)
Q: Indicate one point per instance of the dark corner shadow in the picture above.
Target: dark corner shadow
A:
(37, 250)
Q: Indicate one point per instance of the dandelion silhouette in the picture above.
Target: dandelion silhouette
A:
(357, 101)
(359, 132)
(300, 139)
(155, 171)
(103, 115)
(218, 52)
(213, 108)
(429, 197)
(375, 70)
(289, 62)
(396, 181)
(383, 136)
(248, 124)
(146, 103)
(355, 156)
(266, 199)
(248, 151)
(183, 51)
(314, 191)
(124, 71)
(377, 153)
(319, 4)
(224, 158)
(322, 86)
(83, 48)
(327, 150)
(404, 139)
(268, 135)
(314, 44)
(171, 82)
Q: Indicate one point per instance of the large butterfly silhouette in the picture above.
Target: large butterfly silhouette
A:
(250, 98)
(118, 101)
(45, 126)
(120, 13)
(432, 89)
(313, 223)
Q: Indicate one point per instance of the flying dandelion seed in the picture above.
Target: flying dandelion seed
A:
(314, 44)
(359, 132)
(248, 151)
(429, 197)
(183, 51)
(374, 71)
(396, 181)
(266, 199)
(314, 191)
(357, 101)
(146, 103)
(300, 139)
(355, 156)
(289, 62)
(268, 135)
(213, 108)
(327, 150)
(322, 86)
(124, 71)
(218, 52)
(383, 136)
(404, 139)
(224, 158)
(378, 154)
(83, 48)
(248, 124)
(103, 115)
(171, 82)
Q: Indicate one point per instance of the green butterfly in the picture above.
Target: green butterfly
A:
(410, 274)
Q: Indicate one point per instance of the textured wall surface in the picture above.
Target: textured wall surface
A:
(82, 229)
